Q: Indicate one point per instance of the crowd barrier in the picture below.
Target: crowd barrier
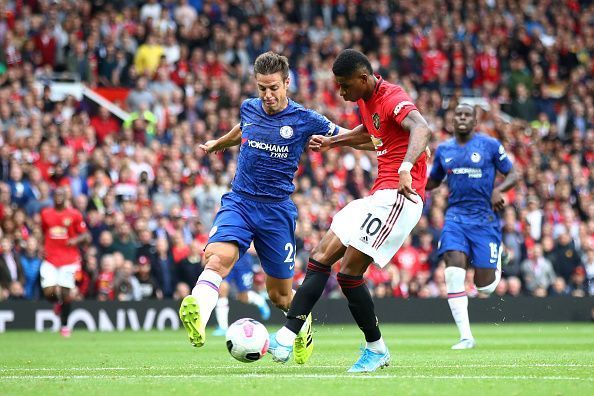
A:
(160, 315)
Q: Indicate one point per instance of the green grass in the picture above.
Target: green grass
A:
(526, 359)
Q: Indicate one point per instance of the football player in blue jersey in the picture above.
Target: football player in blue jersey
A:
(272, 133)
(471, 234)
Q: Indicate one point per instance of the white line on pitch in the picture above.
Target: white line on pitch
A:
(395, 366)
(310, 376)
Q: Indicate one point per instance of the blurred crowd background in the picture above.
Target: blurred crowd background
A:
(149, 195)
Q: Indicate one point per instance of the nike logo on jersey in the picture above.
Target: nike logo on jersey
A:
(291, 266)
(247, 124)
(448, 160)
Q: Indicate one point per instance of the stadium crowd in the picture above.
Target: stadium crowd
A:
(149, 194)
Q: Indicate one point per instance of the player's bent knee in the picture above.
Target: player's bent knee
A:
(219, 263)
(489, 288)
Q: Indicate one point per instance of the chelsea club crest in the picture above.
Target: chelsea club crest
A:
(286, 132)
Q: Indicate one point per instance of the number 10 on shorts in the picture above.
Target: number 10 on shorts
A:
(373, 224)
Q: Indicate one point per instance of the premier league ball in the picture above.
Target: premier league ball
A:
(247, 340)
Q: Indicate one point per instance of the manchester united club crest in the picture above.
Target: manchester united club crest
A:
(376, 121)
(67, 222)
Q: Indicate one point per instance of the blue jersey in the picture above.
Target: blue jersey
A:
(470, 174)
(271, 146)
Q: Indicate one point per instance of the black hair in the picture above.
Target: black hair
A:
(349, 61)
(469, 105)
(270, 63)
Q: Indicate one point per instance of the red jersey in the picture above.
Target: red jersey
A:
(58, 227)
(382, 116)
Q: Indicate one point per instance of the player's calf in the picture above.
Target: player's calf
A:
(281, 299)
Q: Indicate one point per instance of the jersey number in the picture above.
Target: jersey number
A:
(494, 250)
(373, 225)
(291, 255)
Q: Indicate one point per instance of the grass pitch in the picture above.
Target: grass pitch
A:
(511, 359)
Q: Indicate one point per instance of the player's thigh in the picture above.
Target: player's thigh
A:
(343, 222)
(48, 275)
(455, 258)
(329, 250)
(453, 245)
(67, 275)
(274, 239)
(485, 246)
(388, 220)
(231, 225)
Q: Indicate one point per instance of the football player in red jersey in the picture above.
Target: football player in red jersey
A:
(373, 228)
(64, 229)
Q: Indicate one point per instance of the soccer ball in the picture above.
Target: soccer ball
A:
(247, 340)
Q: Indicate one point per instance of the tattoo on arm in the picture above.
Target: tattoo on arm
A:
(419, 135)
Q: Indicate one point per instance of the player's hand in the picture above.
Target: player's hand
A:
(319, 143)
(497, 200)
(209, 147)
(405, 187)
(71, 242)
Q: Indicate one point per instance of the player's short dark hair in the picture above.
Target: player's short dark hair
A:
(349, 61)
(468, 105)
(270, 63)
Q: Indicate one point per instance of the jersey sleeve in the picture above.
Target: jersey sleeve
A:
(320, 125)
(502, 162)
(400, 106)
(242, 113)
(437, 171)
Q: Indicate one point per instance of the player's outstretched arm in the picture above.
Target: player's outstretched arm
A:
(230, 139)
(357, 138)
(497, 197)
(419, 138)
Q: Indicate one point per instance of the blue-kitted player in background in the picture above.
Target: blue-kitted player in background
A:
(471, 233)
(241, 277)
(272, 134)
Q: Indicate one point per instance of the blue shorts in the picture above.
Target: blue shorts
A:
(482, 244)
(271, 225)
(242, 274)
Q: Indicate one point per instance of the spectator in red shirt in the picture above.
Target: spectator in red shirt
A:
(105, 280)
(104, 125)
(407, 259)
(45, 43)
(434, 62)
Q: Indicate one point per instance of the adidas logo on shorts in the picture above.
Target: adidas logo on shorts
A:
(364, 239)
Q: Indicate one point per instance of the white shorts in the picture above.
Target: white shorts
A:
(58, 276)
(377, 225)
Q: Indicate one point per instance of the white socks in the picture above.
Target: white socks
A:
(222, 313)
(285, 336)
(377, 346)
(206, 292)
(458, 301)
(255, 298)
